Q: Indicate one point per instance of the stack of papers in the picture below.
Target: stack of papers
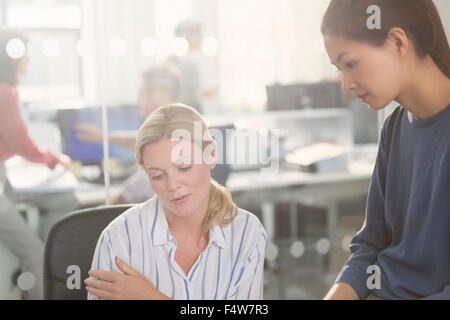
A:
(320, 157)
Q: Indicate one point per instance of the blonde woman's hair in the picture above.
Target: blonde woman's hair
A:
(163, 123)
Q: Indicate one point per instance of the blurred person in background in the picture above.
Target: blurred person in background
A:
(15, 233)
(200, 84)
(160, 86)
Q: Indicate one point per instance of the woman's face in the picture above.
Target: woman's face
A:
(181, 183)
(373, 74)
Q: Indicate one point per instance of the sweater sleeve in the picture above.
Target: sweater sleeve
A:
(14, 136)
(442, 295)
(374, 235)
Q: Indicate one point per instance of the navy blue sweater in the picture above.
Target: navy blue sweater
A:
(407, 228)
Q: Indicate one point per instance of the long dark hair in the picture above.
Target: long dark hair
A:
(418, 18)
(8, 66)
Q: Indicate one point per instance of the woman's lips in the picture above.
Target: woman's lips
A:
(180, 199)
(364, 97)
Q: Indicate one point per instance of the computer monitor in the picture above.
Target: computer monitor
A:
(302, 96)
(120, 118)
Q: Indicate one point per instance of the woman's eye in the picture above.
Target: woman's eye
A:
(351, 65)
(184, 169)
(155, 176)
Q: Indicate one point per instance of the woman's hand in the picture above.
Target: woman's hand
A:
(132, 285)
(89, 133)
(66, 162)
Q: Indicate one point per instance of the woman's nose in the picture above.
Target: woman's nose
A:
(348, 83)
(173, 182)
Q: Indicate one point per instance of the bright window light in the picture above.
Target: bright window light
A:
(15, 48)
(117, 47)
(210, 46)
(82, 48)
(51, 48)
(180, 47)
(149, 47)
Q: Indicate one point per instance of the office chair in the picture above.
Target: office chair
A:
(70, 244)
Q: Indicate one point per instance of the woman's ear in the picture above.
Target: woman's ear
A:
(210, 155)
(398, 38)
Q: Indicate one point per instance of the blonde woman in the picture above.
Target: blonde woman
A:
(189, 241)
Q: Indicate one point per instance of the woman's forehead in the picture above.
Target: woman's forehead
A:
(340, 44)
(169, 152)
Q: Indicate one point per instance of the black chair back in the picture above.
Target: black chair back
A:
(69, 250)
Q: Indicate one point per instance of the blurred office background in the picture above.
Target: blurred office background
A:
(263, 66)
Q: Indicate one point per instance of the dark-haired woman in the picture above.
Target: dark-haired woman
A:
(403, 249)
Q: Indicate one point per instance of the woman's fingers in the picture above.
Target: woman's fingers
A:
(126, 268)
(66, 161)
(100, 293)
(98, 284)
(104, 275)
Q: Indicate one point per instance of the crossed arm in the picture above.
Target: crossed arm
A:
(131, 285)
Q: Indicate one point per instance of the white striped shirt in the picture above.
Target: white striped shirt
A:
(231, 266)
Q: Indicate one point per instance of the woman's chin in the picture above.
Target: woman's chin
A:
(183, 213)
(377, 106)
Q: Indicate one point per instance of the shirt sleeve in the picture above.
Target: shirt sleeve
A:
(14, 136)
(374, 235)
(249, 284)
(104, 257)
(443, 295)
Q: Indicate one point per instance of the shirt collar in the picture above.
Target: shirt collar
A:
(217, 236)
(159, 229)
(160, 233)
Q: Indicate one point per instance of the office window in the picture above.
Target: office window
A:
(280, 43)
(62, 14)
(53, 28)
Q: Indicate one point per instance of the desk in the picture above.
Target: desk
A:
(319, 189)
(325, 190)
(91, 195)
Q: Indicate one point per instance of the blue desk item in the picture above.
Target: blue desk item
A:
(120, 118)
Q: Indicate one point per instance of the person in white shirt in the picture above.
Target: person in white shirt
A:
(198, 72)
(160, 86)
(190, 241)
